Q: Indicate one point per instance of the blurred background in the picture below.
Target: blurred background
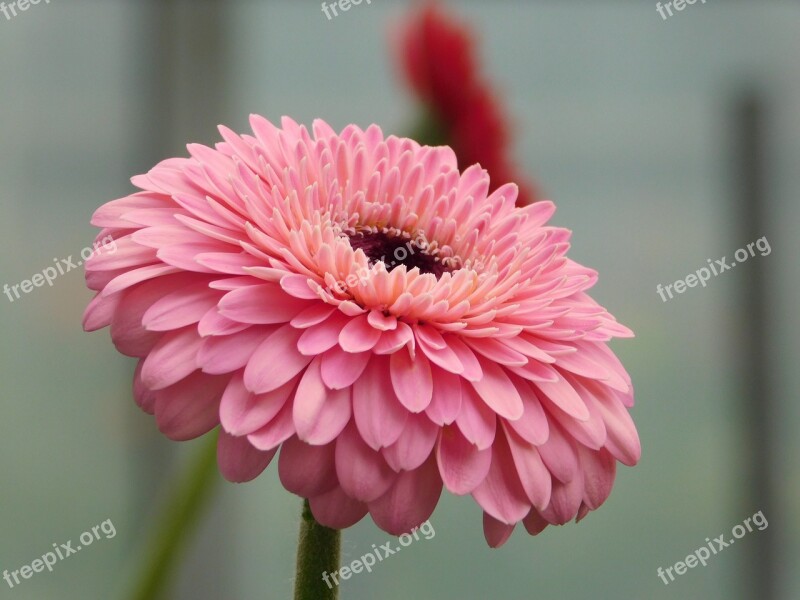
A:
(663, 143)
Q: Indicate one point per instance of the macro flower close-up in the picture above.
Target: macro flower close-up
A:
(379, 316)
(392, 299)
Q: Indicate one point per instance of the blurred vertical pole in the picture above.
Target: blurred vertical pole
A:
(757, 449)
(180, 72)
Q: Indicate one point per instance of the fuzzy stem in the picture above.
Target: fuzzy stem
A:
(318, 553)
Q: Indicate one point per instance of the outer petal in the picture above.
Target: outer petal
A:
(238, 460)
(414, 445)
(189, 408)
(412, 380)
(476, 420)
(462, 465)
(498, 391)
(242, 412)
(307, 470)
(501, 494)
(496, 532)
(275, 361)
(445, 403)
(337, 510)
(410, 501)
(342, 369)
(172, 359)
(378, 414)
(362, 471)
(319, 414)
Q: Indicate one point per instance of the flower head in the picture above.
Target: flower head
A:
(380, 317)
(439, 60)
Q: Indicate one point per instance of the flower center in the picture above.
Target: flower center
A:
(394, 248)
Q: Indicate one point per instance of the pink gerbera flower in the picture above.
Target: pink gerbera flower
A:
(392, 327)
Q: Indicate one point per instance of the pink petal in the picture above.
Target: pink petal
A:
(145, 398)
(214, 323)
(127, 331)
(297, 286)
(379, 416)
(275, 361)
(131, 278)
(172, 358)
(111, 214)
(498, 391)
(495, 532)
(225, 354)
(337, 510)
(472, 368)
(446, 399)
(380, 321)
(476, 420)
(392, 341)
(559, 455)
(362, 471)
(462, 465)
(233, 263)
(414, 445)
(565, 501)
(534, 523)
(599, 470)
(242, 412)
(341, 369)
(100, 312)
(496, 351)
(314, 314)
(501, 494)
(307, 470)
(533, 474)
(437, 348)
(590, 433)
(189, 408)
(532, 426)
(260, 304)
(622, 438)
(180, 308)
(277, 431)
(237, 459)
(319, 414)
(319, 338)
(410, 501)
(565, 397)
(412, 380)
(358, 335)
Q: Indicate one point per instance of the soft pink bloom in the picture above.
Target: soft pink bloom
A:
(248, 281)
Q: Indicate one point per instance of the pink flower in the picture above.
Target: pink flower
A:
(379, 316)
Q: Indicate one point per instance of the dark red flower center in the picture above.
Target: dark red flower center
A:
(394, 250)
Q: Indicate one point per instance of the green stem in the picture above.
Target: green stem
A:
(318, 553)
(180, 517)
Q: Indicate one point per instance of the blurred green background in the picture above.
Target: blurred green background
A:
(626, 121)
